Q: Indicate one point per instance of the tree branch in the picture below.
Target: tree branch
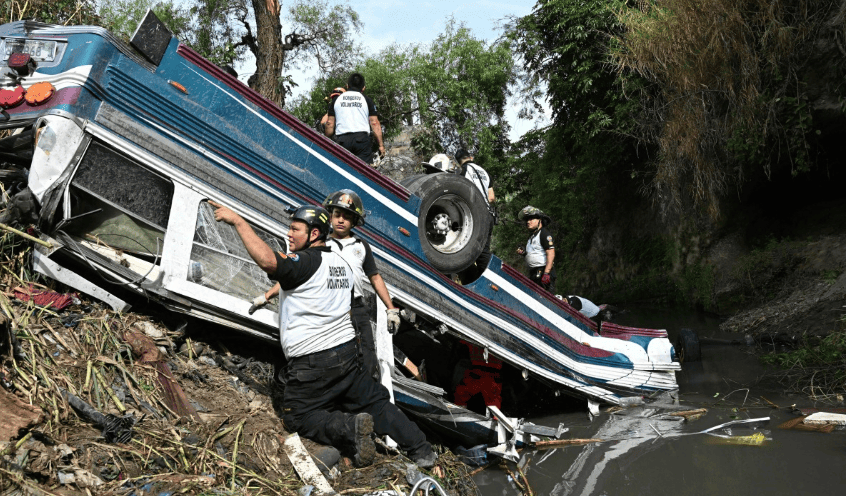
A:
(248, 39)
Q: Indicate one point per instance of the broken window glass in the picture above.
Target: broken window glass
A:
(118, 203)
(220, 261)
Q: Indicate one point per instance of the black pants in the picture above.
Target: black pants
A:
(484, 257)
(358, 144)
(324, 392)
(361, 321)
(536, 273)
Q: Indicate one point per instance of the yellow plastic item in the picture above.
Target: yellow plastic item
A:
(756, 439)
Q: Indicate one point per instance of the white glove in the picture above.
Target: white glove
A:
(258, 302)
(393, 320)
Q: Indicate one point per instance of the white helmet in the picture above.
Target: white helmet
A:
(440, 162)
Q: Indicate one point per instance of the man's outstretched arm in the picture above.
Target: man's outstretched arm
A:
(259, 251)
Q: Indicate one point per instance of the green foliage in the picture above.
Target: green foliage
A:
(122, 16)
(830, 276)
(569, 169)
(454, 89)
(814, 351)
(564, 46)
(216, 30)
(817, 367)
(329, 31)
(65, 12)
(310, 107)
(729, 93)
(696, 284)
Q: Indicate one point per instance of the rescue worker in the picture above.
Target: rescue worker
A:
(480, 178)
(476, 175)
(596, 313)
(583, 305)
(347, 211)
(327, 398)
(540, 250)
(352, 117)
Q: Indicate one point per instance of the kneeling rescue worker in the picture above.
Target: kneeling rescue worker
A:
(328, 397)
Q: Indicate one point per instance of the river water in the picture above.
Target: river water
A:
(650, 456)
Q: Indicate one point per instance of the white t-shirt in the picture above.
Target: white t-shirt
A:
(314, 302)
(589, 309)
(352, 111)
(357, 253)
(479, 177)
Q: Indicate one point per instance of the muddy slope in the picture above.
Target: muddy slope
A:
(794, 283)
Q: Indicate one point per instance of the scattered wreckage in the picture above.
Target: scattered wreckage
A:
(117, 150)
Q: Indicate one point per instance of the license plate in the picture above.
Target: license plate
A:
(39, 50)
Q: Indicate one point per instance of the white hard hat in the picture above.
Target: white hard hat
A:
(441, 162)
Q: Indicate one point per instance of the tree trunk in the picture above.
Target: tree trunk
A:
(270, 56)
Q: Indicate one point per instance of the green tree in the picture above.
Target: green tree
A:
(318, 32)
(582, 159)
(732, 90)
(454, 90)
(49, 11)
(121, 17)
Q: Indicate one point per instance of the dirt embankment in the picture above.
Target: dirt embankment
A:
(790, 286)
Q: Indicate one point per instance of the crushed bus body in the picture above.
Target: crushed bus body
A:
(119, 155)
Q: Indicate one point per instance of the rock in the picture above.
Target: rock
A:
(823, 418)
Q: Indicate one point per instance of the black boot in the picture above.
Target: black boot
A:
(365, 448)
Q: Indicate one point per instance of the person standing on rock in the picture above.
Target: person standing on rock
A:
(540, 250)
(352, 117)
(327, 398)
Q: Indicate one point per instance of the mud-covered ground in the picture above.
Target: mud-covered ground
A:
(805, 293)
(780, 273)
(184, 410)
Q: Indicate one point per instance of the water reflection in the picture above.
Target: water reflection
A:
(645, 453)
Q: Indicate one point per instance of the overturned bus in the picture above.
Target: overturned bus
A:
(117, 150)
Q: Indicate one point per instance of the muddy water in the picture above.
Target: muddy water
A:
(656, 457)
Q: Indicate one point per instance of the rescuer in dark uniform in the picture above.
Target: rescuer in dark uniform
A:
(347, 211)
(328, 397)
(540, 250)
(352, 116)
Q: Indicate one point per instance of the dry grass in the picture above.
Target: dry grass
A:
(721, 70)
(234, 448)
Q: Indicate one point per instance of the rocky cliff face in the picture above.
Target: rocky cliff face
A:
(401, 161)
